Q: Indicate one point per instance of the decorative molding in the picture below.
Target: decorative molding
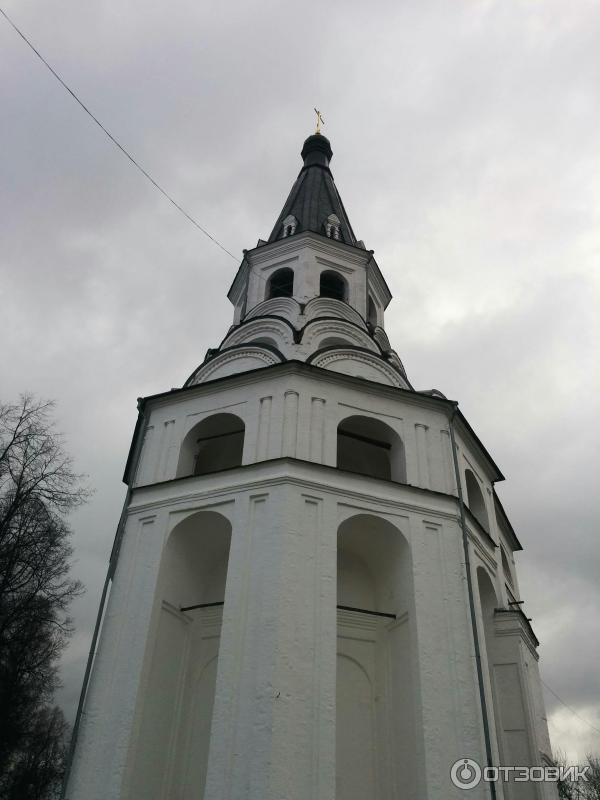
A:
(326, 328)
(255, 353)
(309, 240)
(327, 359)
(335, 265)
(247, 332)
(375, 414)
(381, 338)
(287, 307)
(329, 307)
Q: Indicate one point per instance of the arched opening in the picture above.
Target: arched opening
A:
(331, 284)
(375, 729)
(333, 227)
(475, 500)
(214, 444)
(289, 225)
(280, 284)
(370, 447)
(175, 706)
(371, 312)
(505, 683)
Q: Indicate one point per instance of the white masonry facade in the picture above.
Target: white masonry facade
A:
(313, 591)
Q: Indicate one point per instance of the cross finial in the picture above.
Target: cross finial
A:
(320, 120)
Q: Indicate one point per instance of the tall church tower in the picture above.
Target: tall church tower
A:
(313, 589)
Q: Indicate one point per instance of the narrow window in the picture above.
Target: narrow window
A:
(290, 223)
(281, 283)
(333, 227)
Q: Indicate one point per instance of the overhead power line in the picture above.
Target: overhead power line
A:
(570, 708)
(113, 140)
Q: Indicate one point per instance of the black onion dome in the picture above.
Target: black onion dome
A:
(314, 196)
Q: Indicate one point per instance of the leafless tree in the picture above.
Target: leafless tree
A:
(573, 789)
(38, 487)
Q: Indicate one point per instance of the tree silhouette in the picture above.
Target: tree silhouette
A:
(38, 488)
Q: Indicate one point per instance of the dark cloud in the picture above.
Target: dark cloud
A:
(466, 150)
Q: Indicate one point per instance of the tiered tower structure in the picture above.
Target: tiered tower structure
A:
(313, 593)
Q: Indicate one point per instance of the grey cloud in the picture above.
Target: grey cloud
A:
(466, 151)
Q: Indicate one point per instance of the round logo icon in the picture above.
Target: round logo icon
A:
(465, 773)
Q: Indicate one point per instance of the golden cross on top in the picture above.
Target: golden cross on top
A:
(320, 120)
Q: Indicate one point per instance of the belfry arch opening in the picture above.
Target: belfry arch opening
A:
(175, 706)
(331, 284)
(375, 726)
(475, 500)
(215, 443)
(280, 284)
(370, 447)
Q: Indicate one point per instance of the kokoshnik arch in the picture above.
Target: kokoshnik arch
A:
(313, 588)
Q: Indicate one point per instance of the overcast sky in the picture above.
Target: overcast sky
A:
(466, 139)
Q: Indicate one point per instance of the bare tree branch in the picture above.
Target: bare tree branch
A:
(38, 488)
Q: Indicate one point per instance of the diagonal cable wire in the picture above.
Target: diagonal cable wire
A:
(112, 138)
(570, 708)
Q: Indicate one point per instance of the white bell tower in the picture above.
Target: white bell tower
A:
(313, 594)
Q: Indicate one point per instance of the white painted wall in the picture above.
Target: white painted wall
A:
(288, 665)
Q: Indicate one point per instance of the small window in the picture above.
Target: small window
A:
(281, 283)
(333, 227)
(289, 225)
(332, 285)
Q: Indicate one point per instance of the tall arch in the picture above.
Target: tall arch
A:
(215, 443)
(375, 725)
(174, 714)
(370, 447)
(331, 284)
(280, 284)
(475, 500)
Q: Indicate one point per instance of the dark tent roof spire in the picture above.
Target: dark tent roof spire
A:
(314, 201)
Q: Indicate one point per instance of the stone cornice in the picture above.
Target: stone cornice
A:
(322, 244)
(300, 368)
(295, 471)
(515, 623)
